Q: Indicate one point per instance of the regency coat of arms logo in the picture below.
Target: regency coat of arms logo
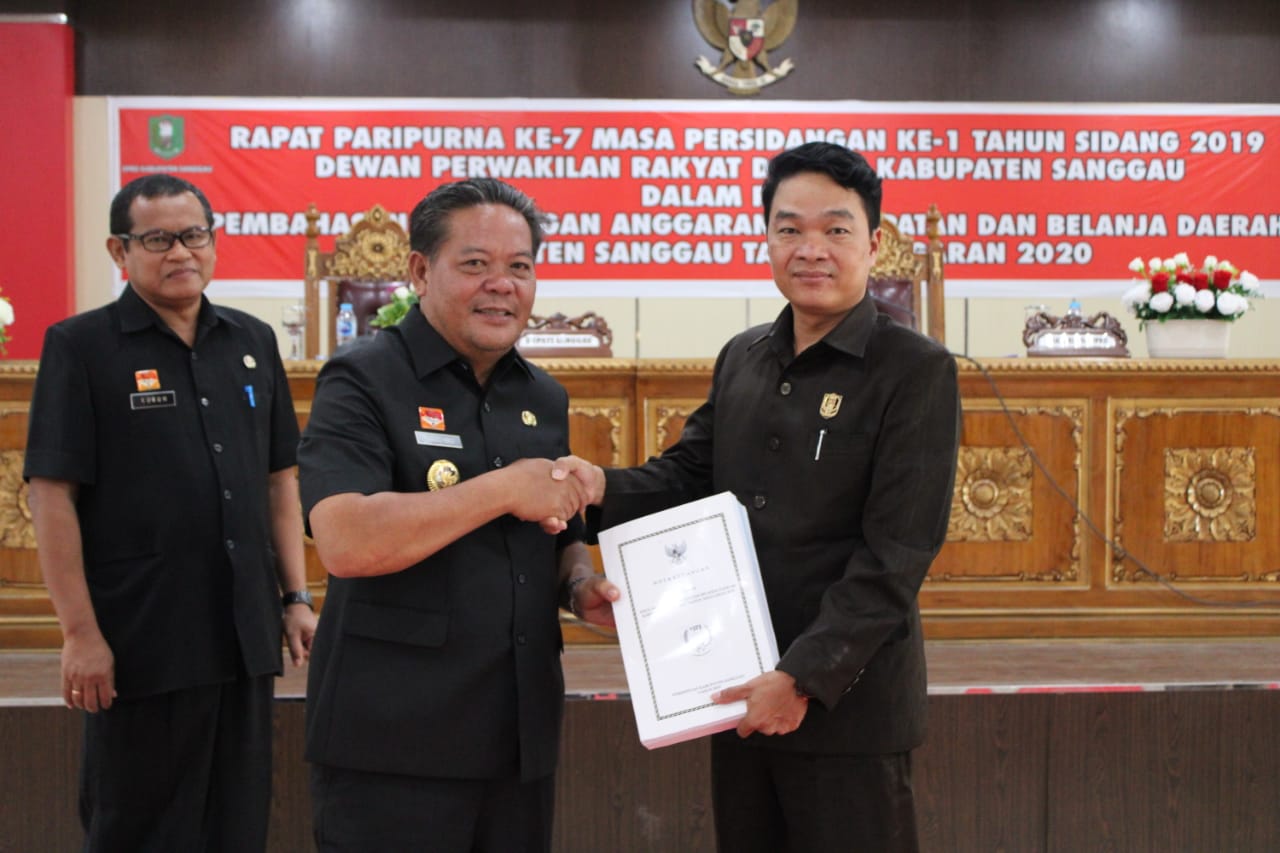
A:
(745, 34)
(167, 135)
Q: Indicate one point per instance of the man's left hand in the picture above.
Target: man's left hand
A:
(299, 630)
(773, 705)
(594, 598)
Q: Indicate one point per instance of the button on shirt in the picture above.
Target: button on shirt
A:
(450, 667)
(172, 453)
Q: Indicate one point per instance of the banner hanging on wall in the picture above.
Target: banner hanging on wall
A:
(661, 198)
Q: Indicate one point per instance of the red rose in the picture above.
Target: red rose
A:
(1221, 279)
(1160, 282)
(1202, 281)
(1184, 276)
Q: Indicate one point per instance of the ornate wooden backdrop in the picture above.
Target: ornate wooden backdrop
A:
(1176, 463)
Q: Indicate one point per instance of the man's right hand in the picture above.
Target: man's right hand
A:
(88, 673)
(537, 496)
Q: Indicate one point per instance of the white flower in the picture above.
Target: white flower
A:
(6, 312)
(402, 292)
(1136, 295)
(1210, 262)
(1181, 260)
(1183, 293)
(1135, 265)
(1162, 302)
(1205, 301)
(1225, 265)
(1230, 304)
(1249, 282)
(1154, 264)
(1171, 265)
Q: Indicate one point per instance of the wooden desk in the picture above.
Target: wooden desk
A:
(1176, 462)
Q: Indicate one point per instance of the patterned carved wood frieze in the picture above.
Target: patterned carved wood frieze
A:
(16, 530)
(993, 501)
(613, 414)
(664, 419)
(992, 498)
(1208, 494)
(1181, 458)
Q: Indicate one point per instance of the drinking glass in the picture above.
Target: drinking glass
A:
(294, 319)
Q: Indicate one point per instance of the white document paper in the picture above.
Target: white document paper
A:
(692, 619)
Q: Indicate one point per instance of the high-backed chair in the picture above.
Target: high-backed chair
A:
(365, 267)
(907, 280)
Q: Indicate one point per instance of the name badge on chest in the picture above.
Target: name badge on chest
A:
(437, 439)
(153, 400)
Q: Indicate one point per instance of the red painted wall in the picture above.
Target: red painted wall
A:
(37, 275)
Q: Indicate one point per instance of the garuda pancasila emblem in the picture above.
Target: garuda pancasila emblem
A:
(746, 35)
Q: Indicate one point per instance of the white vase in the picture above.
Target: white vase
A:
(1188, 339)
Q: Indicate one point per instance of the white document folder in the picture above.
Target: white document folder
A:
(692, 618)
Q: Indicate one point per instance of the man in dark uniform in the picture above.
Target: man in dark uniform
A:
(435, 691)
(163, 493)
(838, 429)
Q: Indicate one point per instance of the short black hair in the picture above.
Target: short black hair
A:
(429, 222)
(158, 185)
(847, 168)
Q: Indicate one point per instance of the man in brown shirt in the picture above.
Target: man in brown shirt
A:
(838, 429)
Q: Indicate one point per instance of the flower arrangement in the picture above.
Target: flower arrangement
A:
(6, 320)
(402, 299)
(1172, 289)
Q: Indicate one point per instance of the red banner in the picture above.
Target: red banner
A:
(662, 198)
(37, 82)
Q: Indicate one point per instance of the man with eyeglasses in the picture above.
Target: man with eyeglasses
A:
(161, 461)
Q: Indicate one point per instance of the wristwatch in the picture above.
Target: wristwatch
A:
(301, 596)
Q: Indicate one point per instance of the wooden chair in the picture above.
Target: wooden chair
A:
(365, 267)
(907, 280)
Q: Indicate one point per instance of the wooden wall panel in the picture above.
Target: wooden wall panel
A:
(1009, 525)
(1164, 771)
(981, 778)
(1103, 430)
(931, 50)
(26, 614)
(38, 774)
(1047, 773)
(1197, 494)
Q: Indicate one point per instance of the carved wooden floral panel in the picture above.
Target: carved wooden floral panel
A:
(1209, 494)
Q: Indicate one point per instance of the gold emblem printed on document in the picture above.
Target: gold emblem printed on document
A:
(830, 405)
(441, 475)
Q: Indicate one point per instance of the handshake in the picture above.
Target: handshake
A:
(551, 493)
(559, 491)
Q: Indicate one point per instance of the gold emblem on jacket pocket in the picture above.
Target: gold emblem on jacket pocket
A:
(830, 405)
(441, 475)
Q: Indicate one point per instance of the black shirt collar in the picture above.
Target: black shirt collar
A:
(850, 335)
(136, 314)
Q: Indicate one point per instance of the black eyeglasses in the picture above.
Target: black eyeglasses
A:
(196, 237)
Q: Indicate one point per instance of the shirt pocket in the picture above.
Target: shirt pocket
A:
(843, 444)
(404, 625)
(838, 464)
(541, 447)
